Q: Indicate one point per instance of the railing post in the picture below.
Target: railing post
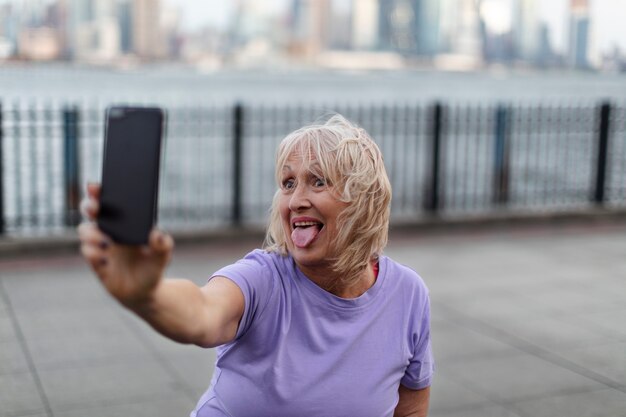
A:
(237, 163)
(2, 221)
(70, 164)
(603, 147)
(432, 201)
(501, 161)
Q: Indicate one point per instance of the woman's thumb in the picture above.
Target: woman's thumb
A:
(160, 242)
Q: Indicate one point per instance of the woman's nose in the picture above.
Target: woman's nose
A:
(299, 199)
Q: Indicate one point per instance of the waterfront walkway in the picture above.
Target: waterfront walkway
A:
(527, 322)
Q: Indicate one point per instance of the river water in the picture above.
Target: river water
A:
(178, 84)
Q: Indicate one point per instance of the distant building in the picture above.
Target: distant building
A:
(147, 34)
(340, 28)
(125, 19)
(614, 60)
(8, 31)
(409, 26)
(547, 57)
(428, 26)
(251, 21)
(526, 30)
(39, 44)
(365, 24)
(79, 15)
(462, 35)
(170, 25)
(94, 32)
(579, 33)
(56, 17)
(31, 12)
(310, 23)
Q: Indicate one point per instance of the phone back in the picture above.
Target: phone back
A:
(130, 173)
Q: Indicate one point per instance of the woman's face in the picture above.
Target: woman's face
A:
(308, 209)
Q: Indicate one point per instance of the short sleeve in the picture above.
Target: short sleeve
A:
(253, 276)
(418, 374)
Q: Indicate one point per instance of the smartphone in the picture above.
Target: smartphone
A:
(130, 173)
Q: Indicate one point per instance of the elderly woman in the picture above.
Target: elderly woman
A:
(319, 322)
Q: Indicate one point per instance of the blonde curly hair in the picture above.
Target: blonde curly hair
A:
(352, 162)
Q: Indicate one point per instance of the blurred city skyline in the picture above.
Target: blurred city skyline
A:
(379, 34)
(196, 15)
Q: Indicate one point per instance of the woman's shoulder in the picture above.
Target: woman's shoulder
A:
(403, 276)
(257, 274)
(259, 255)
(260, 263)
(264, 257)
(255, 263)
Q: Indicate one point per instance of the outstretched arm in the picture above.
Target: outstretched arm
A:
(177, 308)
(207, 316)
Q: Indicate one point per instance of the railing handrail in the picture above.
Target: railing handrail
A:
(441, 158)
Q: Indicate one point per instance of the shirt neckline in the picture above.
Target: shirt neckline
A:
(326, 297)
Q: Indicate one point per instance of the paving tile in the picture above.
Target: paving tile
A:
(197, 270)
(36, 291)
(163, 406)
(97, 359)
(7, 331)
(571, 298)
(3, 305)
(192, 365)
(194, 368)
(611, 323)
(602, 403)
(490, 411)
(453, 342)
(448, 394)
(514, 378)
(12, 359)
(29, 414)
(553, 333)
(463, 281)
(45, 324)
(19, 396)
(147, 336)
(497, 308)
(608, 360)
(84, 349)
(140, 378)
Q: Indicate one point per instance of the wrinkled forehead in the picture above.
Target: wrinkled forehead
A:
(299, 160)
(307, 153)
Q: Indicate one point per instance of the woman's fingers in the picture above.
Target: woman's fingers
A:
(95, 245)
(160, 245)
(88, 233)
(96, 256)
(129, 273)
(160, 242)
(90, 205)
(93, 190)
(89, 208)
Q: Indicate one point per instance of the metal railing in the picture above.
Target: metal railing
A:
(447, 160)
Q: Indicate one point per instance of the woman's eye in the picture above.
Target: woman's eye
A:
(288, 184)
(319, 182)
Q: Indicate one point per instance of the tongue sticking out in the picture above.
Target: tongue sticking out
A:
(303, 236)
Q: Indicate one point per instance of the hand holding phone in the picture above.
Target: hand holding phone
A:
(130, 173)
(130, 273)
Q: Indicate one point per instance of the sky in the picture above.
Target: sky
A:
(608, 17)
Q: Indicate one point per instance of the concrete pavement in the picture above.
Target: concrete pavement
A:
(527, 322)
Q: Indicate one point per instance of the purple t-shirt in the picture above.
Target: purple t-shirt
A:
(302, 351)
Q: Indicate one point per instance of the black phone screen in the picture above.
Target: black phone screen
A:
(130, 173)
